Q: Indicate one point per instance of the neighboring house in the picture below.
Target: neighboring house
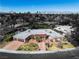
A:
(24, 35)
(66, 30)
(19, 20)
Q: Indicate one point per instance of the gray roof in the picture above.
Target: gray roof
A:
(25, 34)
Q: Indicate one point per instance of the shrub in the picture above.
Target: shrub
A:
(28, 47)
(8, 37)
(38, 38)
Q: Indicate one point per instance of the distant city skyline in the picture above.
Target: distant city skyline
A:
(39, 5)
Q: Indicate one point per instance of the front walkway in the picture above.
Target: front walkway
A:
(13, 45)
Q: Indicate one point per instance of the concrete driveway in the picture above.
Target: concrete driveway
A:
(13, 45)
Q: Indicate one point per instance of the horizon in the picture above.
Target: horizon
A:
(42, 6)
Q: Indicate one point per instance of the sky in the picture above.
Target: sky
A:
(39, 5)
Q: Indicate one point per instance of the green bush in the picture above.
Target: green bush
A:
(38, 38)
(28, 47)
(8, 37)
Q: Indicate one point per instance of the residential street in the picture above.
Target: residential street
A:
(74, 54)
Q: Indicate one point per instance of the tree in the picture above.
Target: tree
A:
(75, 34)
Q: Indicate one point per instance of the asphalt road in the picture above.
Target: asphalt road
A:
(74, 54)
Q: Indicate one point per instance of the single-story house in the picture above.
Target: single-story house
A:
(23, 35)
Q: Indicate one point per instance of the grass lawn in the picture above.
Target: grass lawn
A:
(67, 45)
(53, 47)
